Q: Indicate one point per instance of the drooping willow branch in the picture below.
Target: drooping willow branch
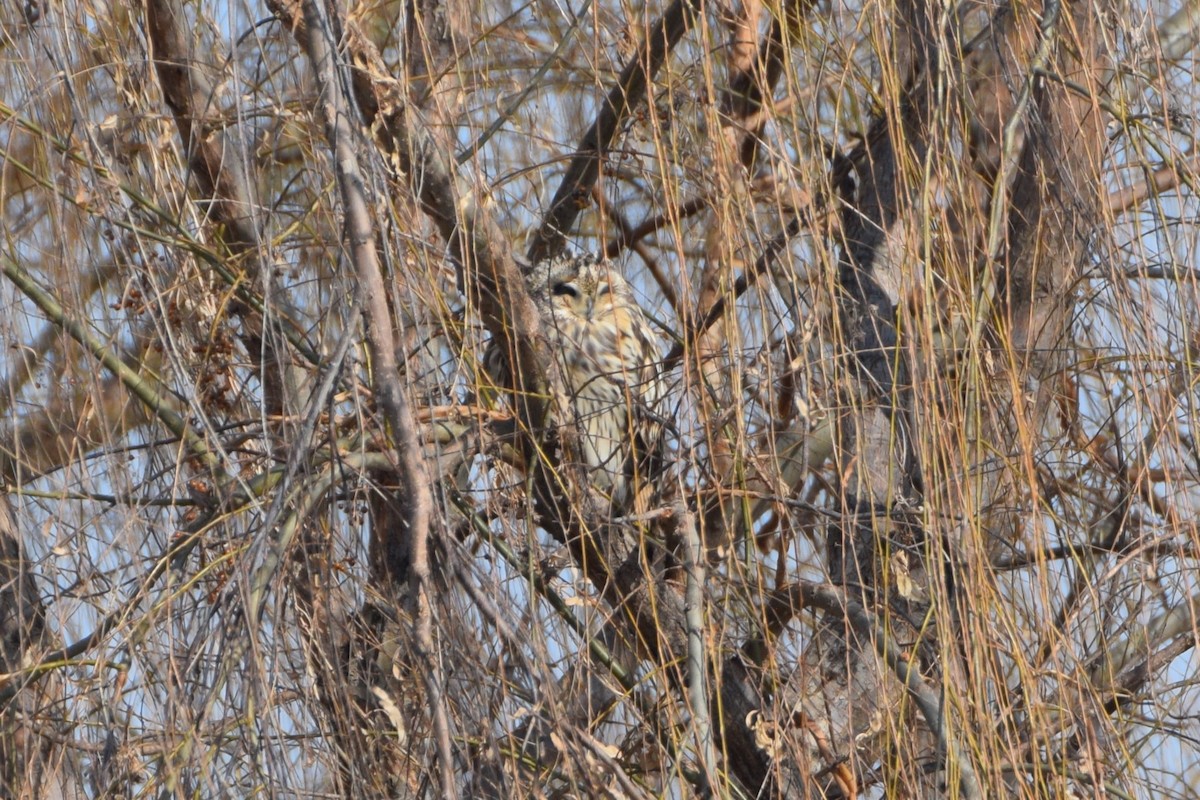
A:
(655, 616)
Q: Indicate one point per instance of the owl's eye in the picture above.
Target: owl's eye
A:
(603, 289)
(564, 290)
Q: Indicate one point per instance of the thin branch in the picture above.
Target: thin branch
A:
(413, 493)
(535, 82)
(156, 403)
(744, 282)
(1113, 670)
(1163, 179)
(621, 101)
(785, 603)
(627, 236)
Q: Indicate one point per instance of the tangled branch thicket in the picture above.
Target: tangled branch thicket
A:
(920, 520)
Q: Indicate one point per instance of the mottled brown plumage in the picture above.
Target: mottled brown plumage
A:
(609, 362)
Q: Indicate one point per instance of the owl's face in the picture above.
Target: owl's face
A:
(581, 290)
(593, 323)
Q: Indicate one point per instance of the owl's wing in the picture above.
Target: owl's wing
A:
(649, 408)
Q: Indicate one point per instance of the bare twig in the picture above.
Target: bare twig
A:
(786, 602)
(624, 97)
(413, 493)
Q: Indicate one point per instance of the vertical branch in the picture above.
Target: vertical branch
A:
(697, 644)
(488, 274)
(755, 69)
(26, 752)
(190, 95)
(413, 491)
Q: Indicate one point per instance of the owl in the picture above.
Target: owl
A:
(608, 359)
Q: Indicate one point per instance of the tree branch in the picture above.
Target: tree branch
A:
(413, 493)
(785, 603)
(584, 168)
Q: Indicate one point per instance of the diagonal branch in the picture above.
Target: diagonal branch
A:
(786, 602)
(222, 181)
(488, 273)
(154, 402)
(190, 95)
(622, 99)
